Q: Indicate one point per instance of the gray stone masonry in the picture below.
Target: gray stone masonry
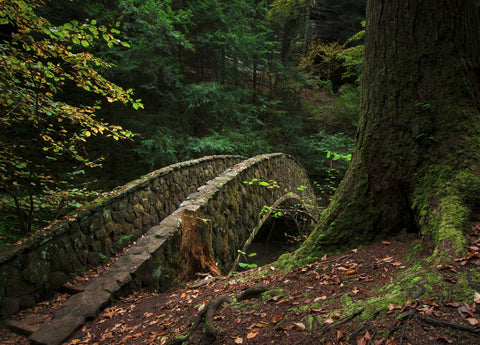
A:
(39, 266)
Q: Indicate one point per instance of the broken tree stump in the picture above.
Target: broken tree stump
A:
(196, 246)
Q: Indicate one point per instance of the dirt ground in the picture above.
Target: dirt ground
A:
(357, 297)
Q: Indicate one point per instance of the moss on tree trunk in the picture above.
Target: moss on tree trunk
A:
(415, 164)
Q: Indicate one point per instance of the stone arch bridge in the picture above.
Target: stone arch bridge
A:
(227, 192)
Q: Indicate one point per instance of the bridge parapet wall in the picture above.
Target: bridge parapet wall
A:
(40, 265)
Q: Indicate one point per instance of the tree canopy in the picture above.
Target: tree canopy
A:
(37, 60)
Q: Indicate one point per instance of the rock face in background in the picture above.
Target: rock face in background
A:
(39, 266)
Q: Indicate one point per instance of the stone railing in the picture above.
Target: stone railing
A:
(43, 263)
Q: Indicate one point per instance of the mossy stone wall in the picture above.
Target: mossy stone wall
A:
(42, 264)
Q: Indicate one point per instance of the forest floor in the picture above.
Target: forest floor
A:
(376, 294)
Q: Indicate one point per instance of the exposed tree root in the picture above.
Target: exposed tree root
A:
(253, 291)
(472, 283)
(448, 324)
(207, 314)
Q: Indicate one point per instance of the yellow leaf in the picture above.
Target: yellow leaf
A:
(87, 134)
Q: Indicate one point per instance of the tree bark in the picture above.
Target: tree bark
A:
(415, 164)
(195, 247)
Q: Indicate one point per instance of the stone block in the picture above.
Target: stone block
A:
(57, 330)
(112, 281)
(86, 304)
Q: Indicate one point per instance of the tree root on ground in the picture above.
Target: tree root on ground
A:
(207, 314)
(474, 285)
(449, 324)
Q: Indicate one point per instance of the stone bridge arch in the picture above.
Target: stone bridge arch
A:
(234, 200)
(270, 210)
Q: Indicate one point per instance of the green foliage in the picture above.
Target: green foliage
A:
(38, 127)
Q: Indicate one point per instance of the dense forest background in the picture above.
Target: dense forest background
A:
(214, 77)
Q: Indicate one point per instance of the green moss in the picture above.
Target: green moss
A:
(433, 277)
(271, 293)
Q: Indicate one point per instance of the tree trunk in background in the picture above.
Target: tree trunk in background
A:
(415, 164)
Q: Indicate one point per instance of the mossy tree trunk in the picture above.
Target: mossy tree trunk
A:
(415, 164)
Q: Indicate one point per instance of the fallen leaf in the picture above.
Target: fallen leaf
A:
(471, 255)
(350, 272)
(476, 297)
(299, 326)
(473, 321)
(277, 318)
(354, 251)
(465, 311)
(445, 340)
(446, 267)
(386, 243)
(110, 314)
(379, 341)
(387, 259)
(328, 321)
(340, 334)
(251, 335)
(362, 341)
(201, 307)
(238, 341)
